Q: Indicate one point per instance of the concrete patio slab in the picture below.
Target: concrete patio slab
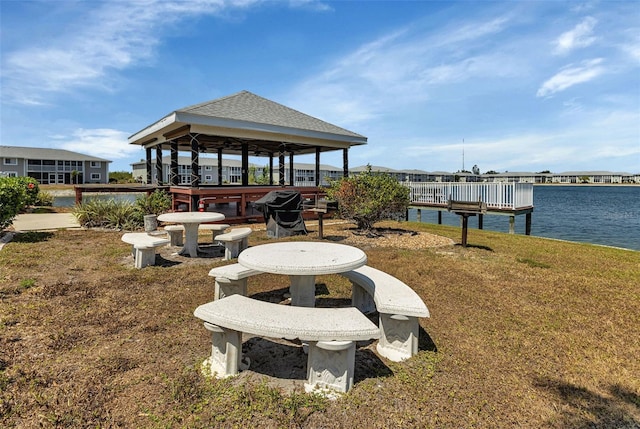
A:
(44, 221)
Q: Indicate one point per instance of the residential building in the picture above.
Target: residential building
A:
(53, 166)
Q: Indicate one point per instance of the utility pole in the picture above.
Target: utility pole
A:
(462, 154)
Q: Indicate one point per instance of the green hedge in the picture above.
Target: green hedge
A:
(15, 194)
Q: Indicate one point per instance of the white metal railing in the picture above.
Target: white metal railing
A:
(496, 195)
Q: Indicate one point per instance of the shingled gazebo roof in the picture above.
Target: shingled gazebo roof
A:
(245, 118)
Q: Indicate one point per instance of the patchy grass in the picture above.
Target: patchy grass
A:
(524, 332)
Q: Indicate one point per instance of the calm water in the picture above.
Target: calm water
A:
(608, 215)
(64, 201)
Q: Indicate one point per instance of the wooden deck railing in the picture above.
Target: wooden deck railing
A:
(497, 196)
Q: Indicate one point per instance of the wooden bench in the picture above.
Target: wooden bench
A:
(235, 241)
(330, 332)
(176, 232)
(398, 305)
(231, 279)
(144, 247)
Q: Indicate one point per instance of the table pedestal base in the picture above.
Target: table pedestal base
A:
(190, 240)
(303, 291)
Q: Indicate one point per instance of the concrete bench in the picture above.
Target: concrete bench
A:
(398, 305)
(231, 279)
(235, 241)
(330, 332)
(176, 232)
(144, 247)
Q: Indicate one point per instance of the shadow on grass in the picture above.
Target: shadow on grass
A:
(288, 361)
(274, 296)
(583, 408)
(425, 342)
(32, 237)
(165, 262)
(475, 246)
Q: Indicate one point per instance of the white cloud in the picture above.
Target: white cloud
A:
(101, 142)
(114, 36)
(399, 69)
(571, 75)
(579, 37)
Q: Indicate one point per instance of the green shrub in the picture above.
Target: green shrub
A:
(44, 199)
(369, 197)
(98, 213)
(111, 214)
(15, 194)
(156, 203)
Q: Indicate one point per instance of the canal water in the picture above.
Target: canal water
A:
(70, 201)
(608, 215)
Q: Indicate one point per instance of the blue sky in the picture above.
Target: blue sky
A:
(517, 86)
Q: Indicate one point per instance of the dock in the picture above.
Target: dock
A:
(502, 199)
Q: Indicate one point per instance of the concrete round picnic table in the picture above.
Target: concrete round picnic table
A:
(302, 261)
(191, 221)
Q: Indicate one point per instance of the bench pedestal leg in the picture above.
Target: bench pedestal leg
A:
(176, 238)
(145, 257)
(361, 299)
(231, 249)
(398, 336)
(226, 351)
(226, 287)
(330, 366)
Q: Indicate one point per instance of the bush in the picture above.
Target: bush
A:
(111, 214)
(97, 213)
(156, 203)
(44, 199)
(15, 194)
(369, 197)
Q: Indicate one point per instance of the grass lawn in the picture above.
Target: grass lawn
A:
(524, 332)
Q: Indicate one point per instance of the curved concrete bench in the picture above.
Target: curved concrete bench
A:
(231, 279)
(144, 246)
(176, 232)
(235, 241)
(331, 333)
(398, 305)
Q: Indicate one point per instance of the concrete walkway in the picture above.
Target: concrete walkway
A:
(39, 222)
(44, 221)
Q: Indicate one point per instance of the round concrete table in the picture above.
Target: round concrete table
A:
(302, 261)
(191, 221)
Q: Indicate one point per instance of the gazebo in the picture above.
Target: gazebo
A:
(241, 124)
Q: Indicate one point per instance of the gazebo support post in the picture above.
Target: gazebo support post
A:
(291, 172)
(149, 175)
(174, 180)
(159, 178)
(281, 166)
(345, 162)
(270, 168)
(219, 166)
(195, 162)
(245, 164)
(317, 174)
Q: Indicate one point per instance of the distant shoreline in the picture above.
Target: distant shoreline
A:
(588, 184)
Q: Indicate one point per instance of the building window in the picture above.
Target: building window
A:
(9, 174)
(95, 176)
(11, 161)
(95, 164)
